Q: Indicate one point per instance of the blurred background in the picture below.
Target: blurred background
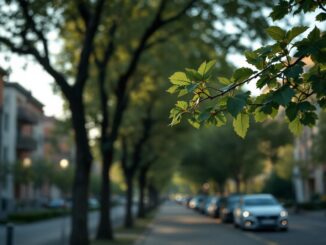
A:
(85, 142)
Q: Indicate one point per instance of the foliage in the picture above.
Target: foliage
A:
(279, 187)
(279, 68)
(28, 217)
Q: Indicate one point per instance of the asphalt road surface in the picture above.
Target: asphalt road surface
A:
(55, 231)
(177, 225)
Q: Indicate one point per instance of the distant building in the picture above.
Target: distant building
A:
(309, 178)
(21, 136)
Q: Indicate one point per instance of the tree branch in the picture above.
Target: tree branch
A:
(180, 13)
(236, 85)
(30, 23)
(84, 12)
(87, 46)
(162, 39)
(320, 4)
(58, 77)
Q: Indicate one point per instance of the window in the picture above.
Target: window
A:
(6, 122)
(5, 154)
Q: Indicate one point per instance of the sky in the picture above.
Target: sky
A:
(36, 80)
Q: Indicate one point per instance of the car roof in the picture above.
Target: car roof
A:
(254, 196)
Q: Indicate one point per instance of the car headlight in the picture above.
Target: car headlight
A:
(245, 214)
(283, 213)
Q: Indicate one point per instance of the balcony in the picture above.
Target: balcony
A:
(26, 116)
(26, 143)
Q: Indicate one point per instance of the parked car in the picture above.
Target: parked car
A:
(213, 207)
(196, 202)
(203, 205)
(227, 206)
(93, 203)
(260, 211)
(56, 203)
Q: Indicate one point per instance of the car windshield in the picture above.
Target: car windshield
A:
(261, 201)
(233, 200)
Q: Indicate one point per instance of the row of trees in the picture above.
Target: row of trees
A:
(209, 160)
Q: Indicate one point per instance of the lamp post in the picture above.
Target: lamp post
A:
(64, 164)
(27, 163)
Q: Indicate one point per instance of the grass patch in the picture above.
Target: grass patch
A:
(125, 236)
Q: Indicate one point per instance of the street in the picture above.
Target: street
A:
(55, 231)
(177, 225)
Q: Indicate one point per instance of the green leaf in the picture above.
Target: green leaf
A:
(296, 127)
(260, 116)
(318, 85)
(191, 87)
(294, 32)
(183, 92)
(172, 89)
(283, 95)
(321, 17)
(179, 78)
(176, 115)
(309, 118)
(222, 101)
(314, 35)
(276, 33)
(264, 79)
(236, 104)
(182, 104)
(280, 10)
(241, 124)
(204, 115)
(194, 123)
(206, 68)
(224, 80)
(292, 111)
(294, 71)
(220, 119)
(306, 106)
(242, 74)
(322, 103)
(193, 75)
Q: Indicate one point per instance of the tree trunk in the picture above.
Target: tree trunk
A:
(141, 201)
(79, 213)
(105, 231)
(237, 184)
(128, 223)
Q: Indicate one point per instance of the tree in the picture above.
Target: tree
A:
(213, 161)
(155, 15)
(279, 67)
(26, 26)
(130, 166)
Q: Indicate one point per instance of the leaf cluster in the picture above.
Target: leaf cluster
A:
(290, 72)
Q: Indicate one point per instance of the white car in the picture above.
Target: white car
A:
(260, 211)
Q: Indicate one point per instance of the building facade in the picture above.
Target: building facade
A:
(309, 178)
(21, 138)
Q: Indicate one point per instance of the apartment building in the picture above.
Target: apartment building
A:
(21, 134)
(309, 178)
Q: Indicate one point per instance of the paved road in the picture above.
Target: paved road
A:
(55, 231)
(176, 225)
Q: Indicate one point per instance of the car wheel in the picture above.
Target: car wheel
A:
(235, 225)
(284, 229)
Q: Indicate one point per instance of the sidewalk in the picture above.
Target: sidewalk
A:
(177, 225)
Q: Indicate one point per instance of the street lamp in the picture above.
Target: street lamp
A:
(27, 162)
(64, 163)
